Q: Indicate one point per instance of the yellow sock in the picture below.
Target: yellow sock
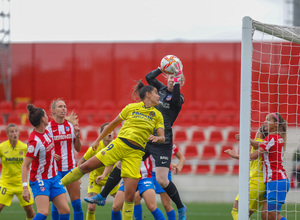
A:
(72, 176)
(127, 211)
(235, 214)
(90, 215)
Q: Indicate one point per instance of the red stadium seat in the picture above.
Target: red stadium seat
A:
(21, 108)
(186, 169)
(180, 136)
(23, 135)
(91, 107)
(6, 107)
(191, 151)
(220, 169)
(223, 155)
(99, 119)
(186, 120)
(14, 119)
(92, 135)
(231, 137)
(209, 152)
(3, 136)
(84, 120)
(215, 136)
(203, 169)
(2, 120)
(235, 169)
(42, 104)
(198, 136)
(74, 105)
(204, 120)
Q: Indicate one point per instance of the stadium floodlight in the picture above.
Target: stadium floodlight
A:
(270, 82)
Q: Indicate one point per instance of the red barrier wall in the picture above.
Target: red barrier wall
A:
(107, 71)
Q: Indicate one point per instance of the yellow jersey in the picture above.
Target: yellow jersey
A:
(97, 172)
(12, 160)
(256, 166)
(140, 122)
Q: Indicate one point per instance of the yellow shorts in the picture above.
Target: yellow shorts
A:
(96, 188)
(256, 194)
(130, 158)
(8, 190)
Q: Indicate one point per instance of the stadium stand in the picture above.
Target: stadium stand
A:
(203, 169)
(180, 136)
(191, 151)
(198, 136)
(209, 152)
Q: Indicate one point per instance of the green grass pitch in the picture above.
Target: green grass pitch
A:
(196, 211)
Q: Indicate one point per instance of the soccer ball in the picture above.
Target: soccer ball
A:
(166, 62)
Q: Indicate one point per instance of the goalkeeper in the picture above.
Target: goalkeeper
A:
(256, 183)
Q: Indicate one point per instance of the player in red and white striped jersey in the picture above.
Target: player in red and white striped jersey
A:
(272, 149)
(44, 181)
(66, 132)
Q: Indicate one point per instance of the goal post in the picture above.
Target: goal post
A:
(270, 82)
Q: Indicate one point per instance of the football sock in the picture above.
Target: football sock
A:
(54, 213)
(172, 191)
(171, 215)
(78, 213)
(157, 214)
(138, 212)
(127, 211)
(90, 215)
(72, 176)
(113, 180)
(116, 215)
(235, 214)
(64, 216)
(39, 216)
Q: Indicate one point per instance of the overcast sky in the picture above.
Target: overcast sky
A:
(137, 20)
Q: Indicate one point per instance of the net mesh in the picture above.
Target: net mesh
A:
(276, 88)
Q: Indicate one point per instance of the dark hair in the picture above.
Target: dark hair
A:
(263, 132)
(35, 115)
(102, 126)
(140, 89)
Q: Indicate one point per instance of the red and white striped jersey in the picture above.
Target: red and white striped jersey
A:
(175, 149)
(146, 168)
(272, 158)
(40, 147)
(63, 136)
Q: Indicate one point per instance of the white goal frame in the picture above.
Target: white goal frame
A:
(282, 32)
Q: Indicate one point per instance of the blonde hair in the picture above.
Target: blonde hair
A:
(71, 117)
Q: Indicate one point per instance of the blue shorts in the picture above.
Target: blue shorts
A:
(158, 188)
(48, 187)
(143, 185)
(276, 193)
(61, 174)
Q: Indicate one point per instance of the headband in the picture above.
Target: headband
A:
(275, 116)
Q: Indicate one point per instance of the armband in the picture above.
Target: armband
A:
(25, 184)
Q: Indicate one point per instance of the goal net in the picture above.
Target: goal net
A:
(270, 82)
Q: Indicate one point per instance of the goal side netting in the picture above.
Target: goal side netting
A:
(270, 83)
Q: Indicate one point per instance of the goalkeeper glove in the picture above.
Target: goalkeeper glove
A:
(177, 73)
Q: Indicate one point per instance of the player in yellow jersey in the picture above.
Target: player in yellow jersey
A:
(12, 154)
(97, 178)
(256, 182)
(141, 119)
